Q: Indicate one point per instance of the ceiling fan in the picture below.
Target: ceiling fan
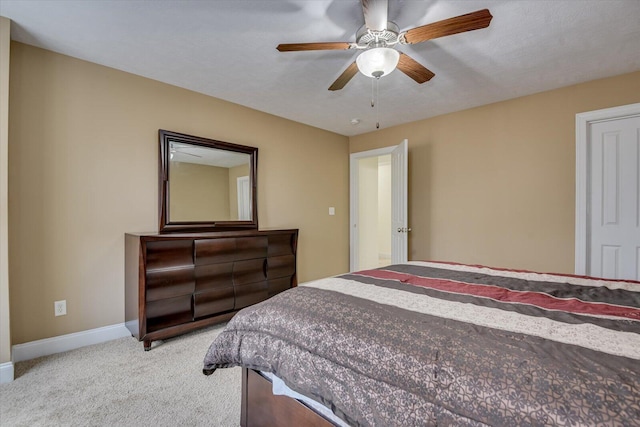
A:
(177, 148)
(378, 36)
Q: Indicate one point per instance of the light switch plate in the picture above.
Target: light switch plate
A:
(332, 211)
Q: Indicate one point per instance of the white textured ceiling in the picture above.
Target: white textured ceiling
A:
(226, 49)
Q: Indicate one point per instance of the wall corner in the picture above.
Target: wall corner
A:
(6, 367)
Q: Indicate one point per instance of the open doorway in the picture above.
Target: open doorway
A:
(374, 216)
(378, 207)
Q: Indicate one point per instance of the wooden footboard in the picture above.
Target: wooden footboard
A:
(260, 407)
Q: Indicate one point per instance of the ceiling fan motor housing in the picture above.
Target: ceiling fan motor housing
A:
(366, 38)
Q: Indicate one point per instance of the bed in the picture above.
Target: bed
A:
(426, 343)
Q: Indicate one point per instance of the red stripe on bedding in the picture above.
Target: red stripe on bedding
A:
(542, 300)
(539, 273)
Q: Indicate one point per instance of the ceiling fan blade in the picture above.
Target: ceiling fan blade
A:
(375, 14)
(413, 69)
(459, 24)
(345, 77)
(295, 47)
(176, 148)
(188, 154)
(183, 152)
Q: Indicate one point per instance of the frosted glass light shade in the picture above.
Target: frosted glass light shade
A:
(378, 61)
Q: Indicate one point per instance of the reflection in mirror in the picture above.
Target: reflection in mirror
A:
(206, 184)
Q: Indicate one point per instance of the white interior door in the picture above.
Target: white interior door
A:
(399, 226)
(614, 207)
(368, 207)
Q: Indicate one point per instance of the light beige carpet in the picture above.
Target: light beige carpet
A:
(118, 384)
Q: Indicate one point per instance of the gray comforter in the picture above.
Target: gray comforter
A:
(439, 344)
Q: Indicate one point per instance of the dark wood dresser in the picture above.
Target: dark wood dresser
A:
(175, 283)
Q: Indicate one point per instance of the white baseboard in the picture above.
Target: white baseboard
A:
(47, 346)
(6, 372)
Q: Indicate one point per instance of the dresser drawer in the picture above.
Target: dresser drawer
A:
(251, 247)
(215, 251)
(213, 302)
(250, 294)
(169, 312)
(162, 284)
(213, 276)
(281, 266)
(281, 244)
(275, 286)
(249, 271)
(162, 254)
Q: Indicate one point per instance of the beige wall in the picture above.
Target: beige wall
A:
(495, 185)
(198, 192)
(83, 171)
(5, 332)
(491, 185)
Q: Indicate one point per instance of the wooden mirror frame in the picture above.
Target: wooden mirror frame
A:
(165, 223)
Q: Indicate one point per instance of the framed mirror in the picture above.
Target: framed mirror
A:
(206, 185)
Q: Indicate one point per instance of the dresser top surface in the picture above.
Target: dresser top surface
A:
(213, 234)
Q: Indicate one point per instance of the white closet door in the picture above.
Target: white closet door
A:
(615, 199)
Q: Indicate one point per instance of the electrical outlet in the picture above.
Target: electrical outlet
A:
(60, 308)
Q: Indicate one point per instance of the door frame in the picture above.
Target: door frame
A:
(583, 187)
(354, 197)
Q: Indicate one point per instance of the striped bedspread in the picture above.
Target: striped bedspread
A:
(445, 344)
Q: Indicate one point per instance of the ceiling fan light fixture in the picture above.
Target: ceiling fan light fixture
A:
(378, 62)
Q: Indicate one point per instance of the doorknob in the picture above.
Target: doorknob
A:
(399, 230)
(404, 230)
